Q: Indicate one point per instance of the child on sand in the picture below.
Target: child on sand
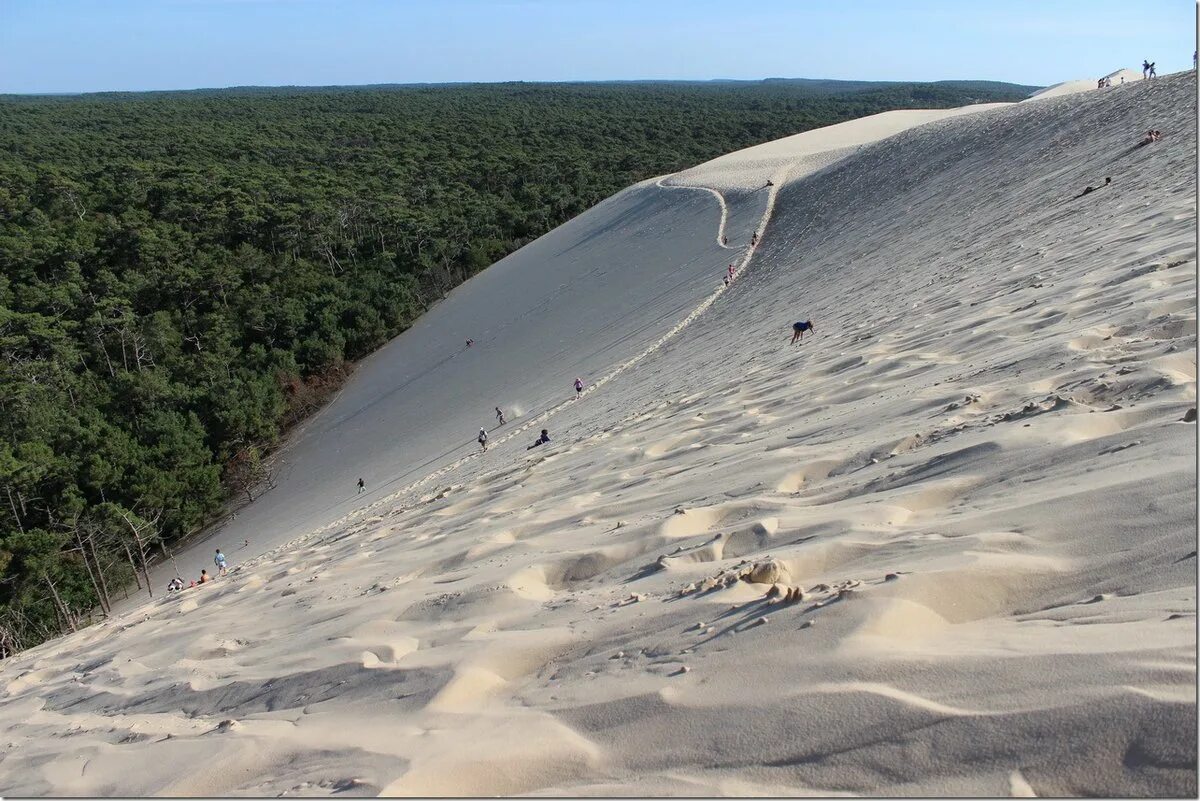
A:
(798, 330)
(219, 561)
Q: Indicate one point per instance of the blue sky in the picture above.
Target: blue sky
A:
(98, 45)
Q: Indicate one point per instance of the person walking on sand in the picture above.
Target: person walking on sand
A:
(542, 440)
(482, 439)
(1087, 190)
(578, 387)
(219, 561)
(798, 330)
(754, 238)
(499, 416)
(362, 485)
(1145, 67)
(1153, 74)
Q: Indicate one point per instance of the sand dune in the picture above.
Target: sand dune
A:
(1117, 78)
(946, 546)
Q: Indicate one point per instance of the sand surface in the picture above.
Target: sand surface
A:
(945, 546)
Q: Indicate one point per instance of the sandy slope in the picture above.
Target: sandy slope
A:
(1117, 78)
(975, 473)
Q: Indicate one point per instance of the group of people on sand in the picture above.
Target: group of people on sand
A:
(482, 438)
(541, 440)
(220, 561)
(1148, 69)
(1152, 135)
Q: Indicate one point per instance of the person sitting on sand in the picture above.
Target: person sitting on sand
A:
(798, 330)
(542, 440)
(204, 576)
(175, 584)
(1087, 190)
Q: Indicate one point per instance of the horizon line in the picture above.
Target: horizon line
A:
(75, 93)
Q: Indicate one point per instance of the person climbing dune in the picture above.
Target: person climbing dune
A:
(798, 330)
(1087, 190)
(499, 416)
(483, 439)
(578, 387)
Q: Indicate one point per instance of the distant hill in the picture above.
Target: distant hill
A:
(811, 86)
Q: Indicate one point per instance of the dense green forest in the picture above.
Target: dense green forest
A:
(184, 275)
